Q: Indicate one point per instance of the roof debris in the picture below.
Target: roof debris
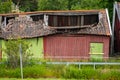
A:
(26, 27)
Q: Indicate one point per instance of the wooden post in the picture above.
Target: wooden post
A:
(82, 20)
(78, 21)
(45, 21)
(5, 22)
(55, 21)
(21, 64)
(0, 20)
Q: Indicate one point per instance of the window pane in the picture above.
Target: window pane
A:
(96, 48)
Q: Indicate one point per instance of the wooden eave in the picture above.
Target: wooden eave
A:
(67, 12)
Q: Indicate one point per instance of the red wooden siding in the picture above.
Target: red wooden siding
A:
(72, 46)
(117, 34)
(101, 39)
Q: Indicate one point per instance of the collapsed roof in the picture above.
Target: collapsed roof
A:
(43, 23)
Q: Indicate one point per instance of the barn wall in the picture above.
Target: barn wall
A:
(64, 47)
(36, 48)
(117, 33)
(101, 39)
(72, 46)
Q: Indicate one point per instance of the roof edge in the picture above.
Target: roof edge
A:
(108, 19)
(49, 11)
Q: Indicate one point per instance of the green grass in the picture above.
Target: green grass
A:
(36, 79)
(60, 72)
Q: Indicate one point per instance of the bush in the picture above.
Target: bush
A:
(110, 75)
(13, 53)
(60, 71)
(11, 73)
(88, 73)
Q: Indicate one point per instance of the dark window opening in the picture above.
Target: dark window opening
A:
(8, 18)
(72, 20)
(2, 19)
(37, 17)
(5, 20)
(57, 21)
(90, 19)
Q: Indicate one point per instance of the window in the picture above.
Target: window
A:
(96, 50)
(5, 19)
(72, 20)
(90, 19)
(37, 17)
(61, 20)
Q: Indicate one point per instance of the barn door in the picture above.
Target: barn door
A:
(96, 50)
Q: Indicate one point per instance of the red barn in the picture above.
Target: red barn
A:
(79, 35)
(116, 27)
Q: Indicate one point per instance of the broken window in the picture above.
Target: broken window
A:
(37, 17)
(5, 19)
(8, 18)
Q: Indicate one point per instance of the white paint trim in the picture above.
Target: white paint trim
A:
(108, 21)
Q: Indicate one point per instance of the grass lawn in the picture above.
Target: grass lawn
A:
(35, 79)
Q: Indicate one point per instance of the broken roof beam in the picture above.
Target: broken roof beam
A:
(72, 27)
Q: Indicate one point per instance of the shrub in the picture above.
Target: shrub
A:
(13, 54)
(38, 71)
(60, 71)
(88, 73)
(110, 75)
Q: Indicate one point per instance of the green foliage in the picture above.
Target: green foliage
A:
(86, 4)
(68, 4)
(108, 4)
(11, 73)
(110, 75)
(5, 6)
(13, 53)
(26, 5)
(75, 73)
(52, 5)
(60, 71)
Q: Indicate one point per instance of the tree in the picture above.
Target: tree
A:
(108, 4)
(86, 4)
(52, 4)
(26, 5)
(67, 4)
(12, 51)
(5, 6)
